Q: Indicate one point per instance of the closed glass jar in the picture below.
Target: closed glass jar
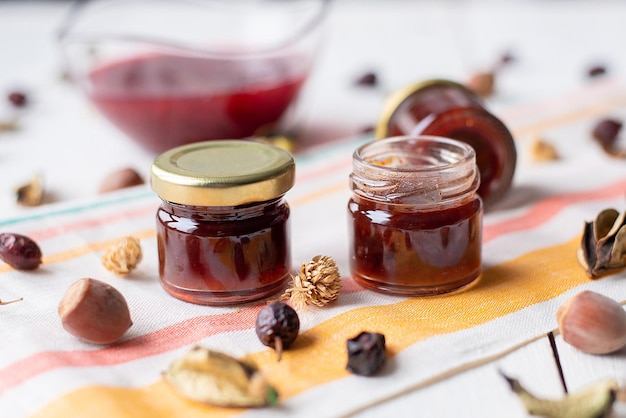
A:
(223, 223)
(448, 109)
(415, 218)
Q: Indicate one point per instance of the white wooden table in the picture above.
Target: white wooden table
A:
(554, 42)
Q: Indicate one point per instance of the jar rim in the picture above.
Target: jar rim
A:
(465, 152)
(421, 171)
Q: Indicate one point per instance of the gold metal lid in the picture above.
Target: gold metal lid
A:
(222, 173)
(397, 98)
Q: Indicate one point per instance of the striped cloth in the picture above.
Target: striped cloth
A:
(530, 269)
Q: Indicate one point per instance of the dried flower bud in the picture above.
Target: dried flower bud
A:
(318, 283)
(31, 193)
(542, 151)
(123, 256)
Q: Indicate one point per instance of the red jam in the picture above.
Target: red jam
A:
(447, 109)
(223, 224)
(415, 219)
(225, 254)
(165, 100)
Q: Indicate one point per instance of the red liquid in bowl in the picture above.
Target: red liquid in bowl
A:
(164, 100)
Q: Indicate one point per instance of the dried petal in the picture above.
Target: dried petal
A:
(216, 378)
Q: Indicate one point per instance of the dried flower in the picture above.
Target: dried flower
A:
(543, 151)
(603, 244)
(123, 256)
(318, 282)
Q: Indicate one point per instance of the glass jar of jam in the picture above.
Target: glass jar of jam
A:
(448, 109)
(415, 218)
(222, 226)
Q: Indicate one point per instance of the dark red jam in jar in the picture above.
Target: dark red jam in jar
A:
(222, 227)
(448, 109)
(415, 218)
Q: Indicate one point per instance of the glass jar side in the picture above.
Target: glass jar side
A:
(224, 255)
(415, 218)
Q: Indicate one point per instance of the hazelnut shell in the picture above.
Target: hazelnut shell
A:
(94, 312)
(593, 323)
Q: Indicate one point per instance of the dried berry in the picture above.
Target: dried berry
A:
(366, 353)
(606, 131)
(596, 70)
(19, 251)
(277, 326)
(17, 98)
(126, 177)
(369, 79)
(94, 312)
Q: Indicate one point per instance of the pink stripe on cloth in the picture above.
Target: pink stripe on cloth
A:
(546, 209)
(164, 340)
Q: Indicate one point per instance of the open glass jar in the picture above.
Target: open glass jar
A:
(222, 226)
(415, 218)
(448, 109)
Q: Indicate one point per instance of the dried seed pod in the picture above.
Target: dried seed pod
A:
(277, 326)
(603, 244)
(31, 193)
(215, 378)
(94, 312)
(19, 251)
(593, 323)
(606, 131)
(542, 151)
(366, 353)
(592, 402)
(318, 283)
(123, 256)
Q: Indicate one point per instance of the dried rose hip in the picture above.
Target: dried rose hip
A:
(606, 131)
(19, 251)
(277, 326)
(366, 353)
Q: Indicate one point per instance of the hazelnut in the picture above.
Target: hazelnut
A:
(483, 84)
(593, 323)
(94, 312)
(126, 177)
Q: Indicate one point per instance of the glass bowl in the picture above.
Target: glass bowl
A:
(167, 73)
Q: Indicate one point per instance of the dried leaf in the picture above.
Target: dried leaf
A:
(216, 378)
(596, 401)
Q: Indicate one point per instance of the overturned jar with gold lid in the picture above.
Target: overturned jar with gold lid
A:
(222, 227)
(449, 109)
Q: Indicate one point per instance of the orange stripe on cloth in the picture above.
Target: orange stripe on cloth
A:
(503, 289)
